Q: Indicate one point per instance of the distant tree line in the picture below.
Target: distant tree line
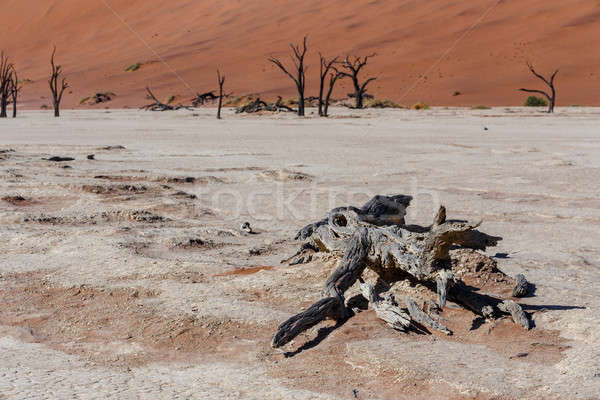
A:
(331, 71)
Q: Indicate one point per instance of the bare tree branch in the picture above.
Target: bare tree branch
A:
(549, 82)
(353, 66)
(299, 73)
(57, 92)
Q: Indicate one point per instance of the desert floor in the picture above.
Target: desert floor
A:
(127, 276)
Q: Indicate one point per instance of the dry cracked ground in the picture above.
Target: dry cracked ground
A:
(127, 276)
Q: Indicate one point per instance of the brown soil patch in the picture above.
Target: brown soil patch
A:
(246, 271)
(116, 326)
(17, 200)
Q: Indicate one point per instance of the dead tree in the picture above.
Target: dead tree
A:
(15, 89)
(57, 91)
(333, 77)
(353, 66)
(221, 81)
(550, 83)
(6, 71)
(376, 237)
(325, 67)
(299, 73)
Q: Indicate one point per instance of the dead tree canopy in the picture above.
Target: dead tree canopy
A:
(353, 66)
(6, 75)
(56, 88)
(549, 82)
(298, 75)
(376, 237)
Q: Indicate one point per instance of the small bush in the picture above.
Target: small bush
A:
(382, 103)
(44, 106)
(457, 93)
(169, 99)
(420, 106)
(133, 67)
(480, 107)
(534, 101)
(240, 101)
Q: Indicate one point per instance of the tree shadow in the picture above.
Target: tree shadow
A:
(321, 335)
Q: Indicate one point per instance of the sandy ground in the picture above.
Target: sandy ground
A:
(127, 276)
(426, 50)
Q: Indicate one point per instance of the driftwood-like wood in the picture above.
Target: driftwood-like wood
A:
(56, 89)
(419, 316)
(549, 82)
(386, 308)
(298, 74)
(516, 312)
(521, 286)
(375, 236)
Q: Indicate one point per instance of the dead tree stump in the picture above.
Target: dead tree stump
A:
(376, 237)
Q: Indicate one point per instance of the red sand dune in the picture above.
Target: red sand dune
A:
(487, 66)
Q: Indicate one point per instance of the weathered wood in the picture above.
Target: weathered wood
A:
(386, 308)
(375, 236)
(328, 307)
(516, 312)
(521, 286)
(419, 316)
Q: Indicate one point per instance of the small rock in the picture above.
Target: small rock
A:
(59, 159)
(246, 227)
(91, 157)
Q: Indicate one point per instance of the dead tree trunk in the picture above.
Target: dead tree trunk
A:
(57, 91)
(550, 82)
(333, 77)
(353, 66)
(325, 67)
(6, 70)
(375, 236)
(14, 92)
(221, 81)
(300, 72)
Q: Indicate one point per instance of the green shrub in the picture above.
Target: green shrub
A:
(420, 106)
(382, 103)
(133, 67)
(534, 101)
(456, 93)
(480, 107)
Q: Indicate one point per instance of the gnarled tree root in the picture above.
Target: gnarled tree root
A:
(375, 236)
